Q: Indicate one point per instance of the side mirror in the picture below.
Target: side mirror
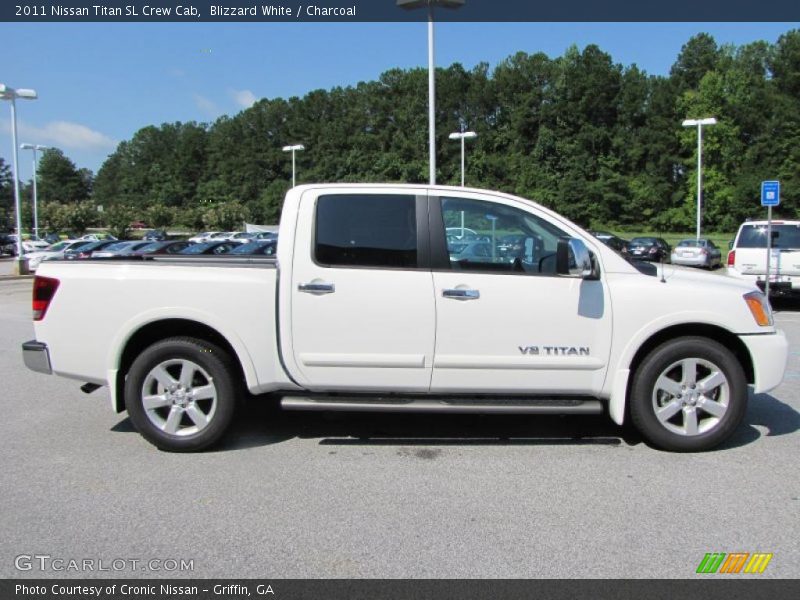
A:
(574, 259)
(730, 245)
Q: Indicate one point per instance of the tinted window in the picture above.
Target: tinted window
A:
(755, 236)
(484, 236)
(366, 230)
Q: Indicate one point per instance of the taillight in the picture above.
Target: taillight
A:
(44, 288)
(731, 258)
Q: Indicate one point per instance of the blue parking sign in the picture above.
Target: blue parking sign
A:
(770, 193)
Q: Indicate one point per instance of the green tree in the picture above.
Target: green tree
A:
(160, 216)
(230, 216)
(118, 220)
(6, 196)
(60, 181)
(78, 217)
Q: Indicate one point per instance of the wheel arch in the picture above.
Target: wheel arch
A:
(619, 406)
(155, 331)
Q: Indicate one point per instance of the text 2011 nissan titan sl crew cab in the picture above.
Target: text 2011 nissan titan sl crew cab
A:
(411, 298)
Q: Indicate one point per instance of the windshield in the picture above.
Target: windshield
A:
(198, 248)
(643, 240)
(57, 247)
(117, 246)
(248, 248)
(755, 236)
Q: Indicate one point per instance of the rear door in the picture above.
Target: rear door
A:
(362, 308)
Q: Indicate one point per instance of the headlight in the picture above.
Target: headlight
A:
(759, 308)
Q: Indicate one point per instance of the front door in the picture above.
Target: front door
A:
(506, 321)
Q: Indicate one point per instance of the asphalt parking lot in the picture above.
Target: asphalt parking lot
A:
(305, 495)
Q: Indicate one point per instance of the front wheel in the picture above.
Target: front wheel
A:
(180, 394)
(688, 395)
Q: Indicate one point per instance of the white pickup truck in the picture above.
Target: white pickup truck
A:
(411, 298)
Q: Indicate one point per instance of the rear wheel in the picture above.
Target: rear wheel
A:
(689, 394)
(180, 394)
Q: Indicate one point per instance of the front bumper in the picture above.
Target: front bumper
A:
(37, 357)
(770, 353)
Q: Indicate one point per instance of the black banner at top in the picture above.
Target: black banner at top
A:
(67, 11)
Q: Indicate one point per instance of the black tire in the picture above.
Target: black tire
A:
(684, 432)
(212, 371)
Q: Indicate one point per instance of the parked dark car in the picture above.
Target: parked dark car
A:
(612, 241)
(52, 238)
(649, 248)
(7, 244)
(209, 248)
(87, 250)
(159, 248)
(119, 249)
(155, 235)
(262, 248)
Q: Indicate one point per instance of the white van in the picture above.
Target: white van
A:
(748, 256)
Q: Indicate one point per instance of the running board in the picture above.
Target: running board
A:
(508, 406)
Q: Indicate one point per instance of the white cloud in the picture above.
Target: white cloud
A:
(206, 105)
(64, 134)
(244, 98)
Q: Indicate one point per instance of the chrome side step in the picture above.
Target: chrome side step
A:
(508, 406)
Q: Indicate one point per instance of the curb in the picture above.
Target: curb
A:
(15, 277)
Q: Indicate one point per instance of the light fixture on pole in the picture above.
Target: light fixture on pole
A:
(699, 124)
(8, 93)
(36, 148)
(463, 135)
(429, 4)
(293, 149)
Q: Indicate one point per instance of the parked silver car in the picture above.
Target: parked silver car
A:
(697, 253)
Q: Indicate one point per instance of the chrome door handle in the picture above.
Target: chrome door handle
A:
(316, 288)
(458, 294)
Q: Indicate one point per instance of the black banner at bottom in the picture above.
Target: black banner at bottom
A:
(396, 589)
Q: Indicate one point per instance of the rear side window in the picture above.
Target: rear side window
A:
(755, 236)
(366, 230)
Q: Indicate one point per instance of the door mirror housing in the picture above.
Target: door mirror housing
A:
(574, 259)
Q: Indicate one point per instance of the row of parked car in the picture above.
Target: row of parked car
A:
(690, 252)
(205, 243)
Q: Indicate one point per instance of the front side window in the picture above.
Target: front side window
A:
(485, 236)
(366, 230)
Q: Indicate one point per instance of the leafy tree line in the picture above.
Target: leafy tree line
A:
(597, 141)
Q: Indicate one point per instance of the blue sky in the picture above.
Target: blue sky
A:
(100, 82)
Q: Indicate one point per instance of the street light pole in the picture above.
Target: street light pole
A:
(463, 135)
(699, 124)
(35, 148)
(8, 93)
(412, 4)
(293, 149)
